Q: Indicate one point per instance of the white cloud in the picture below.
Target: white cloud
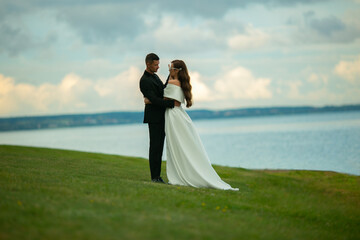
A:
(349, 70)
(293, 89)
(252, 38)
(123, 89)
(315, 92)
(240, 83)
(72, 94)
(225, 90)
(75, 94)
(6, 88)
(320, 96)
(68, 96)
(200, 90)
(176, 34)
(318, 78)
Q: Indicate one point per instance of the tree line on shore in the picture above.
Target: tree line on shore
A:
(115, 118)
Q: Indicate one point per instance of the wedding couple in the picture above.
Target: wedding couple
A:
(187, 161)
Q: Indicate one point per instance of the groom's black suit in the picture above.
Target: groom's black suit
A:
(152, 88)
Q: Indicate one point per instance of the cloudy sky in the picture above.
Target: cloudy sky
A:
(87, 56)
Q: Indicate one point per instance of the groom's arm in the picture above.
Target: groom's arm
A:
(167, 81)
(147, 90)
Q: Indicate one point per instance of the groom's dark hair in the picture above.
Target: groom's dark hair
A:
(151, 57)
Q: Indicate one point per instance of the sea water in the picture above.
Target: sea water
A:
(324, 141)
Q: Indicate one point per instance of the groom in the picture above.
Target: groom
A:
(153, 89)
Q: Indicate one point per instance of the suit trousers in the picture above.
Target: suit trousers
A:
(157, 137)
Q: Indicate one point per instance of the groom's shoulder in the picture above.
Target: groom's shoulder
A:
(147, 80)
(146, 76)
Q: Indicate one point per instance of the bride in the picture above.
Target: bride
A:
(187, 161)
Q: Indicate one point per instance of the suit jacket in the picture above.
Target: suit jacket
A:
(153, 88)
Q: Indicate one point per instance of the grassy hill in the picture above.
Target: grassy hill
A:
(57, 194)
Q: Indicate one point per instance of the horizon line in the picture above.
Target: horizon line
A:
(200, 109)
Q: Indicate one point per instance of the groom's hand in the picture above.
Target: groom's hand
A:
(177, 104)
(147, 101)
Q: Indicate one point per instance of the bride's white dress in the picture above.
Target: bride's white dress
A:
(187, 161)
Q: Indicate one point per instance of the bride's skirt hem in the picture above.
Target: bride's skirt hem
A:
(206, 187)
(187, 160)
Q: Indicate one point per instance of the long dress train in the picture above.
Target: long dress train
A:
(187, 161)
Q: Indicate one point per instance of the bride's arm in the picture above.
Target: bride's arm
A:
(177, 83)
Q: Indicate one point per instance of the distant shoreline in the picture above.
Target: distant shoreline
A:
(126, 117)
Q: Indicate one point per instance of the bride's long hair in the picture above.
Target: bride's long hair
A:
(184, 79)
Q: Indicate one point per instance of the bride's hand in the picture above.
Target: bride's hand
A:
(147, 101)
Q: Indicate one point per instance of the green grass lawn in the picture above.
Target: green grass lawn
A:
(57, 194)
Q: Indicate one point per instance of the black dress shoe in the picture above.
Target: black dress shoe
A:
(161, 180)
(158, 180)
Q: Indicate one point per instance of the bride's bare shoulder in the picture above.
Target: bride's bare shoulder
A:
(175, 82)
